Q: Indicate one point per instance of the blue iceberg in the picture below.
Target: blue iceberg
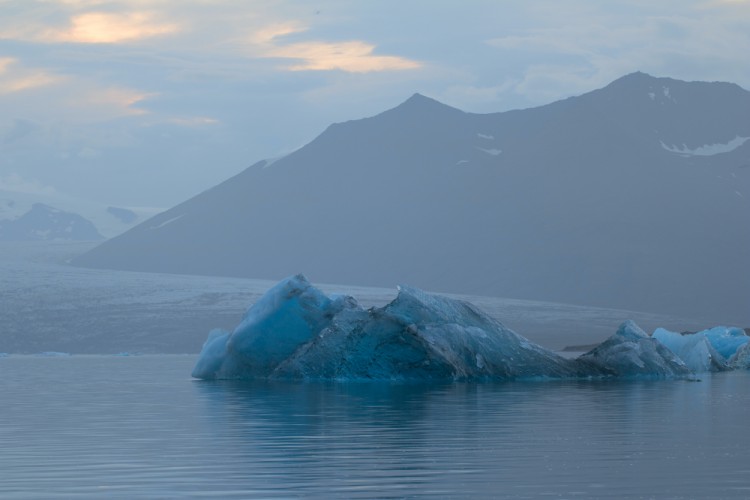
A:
(297, 332)
(707, 350)
(695, 350)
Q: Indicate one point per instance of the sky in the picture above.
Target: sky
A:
(149, 102)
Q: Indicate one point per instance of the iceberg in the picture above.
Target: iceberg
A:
(296, 332)
(707, 350)
(631, 353)
(694, 349)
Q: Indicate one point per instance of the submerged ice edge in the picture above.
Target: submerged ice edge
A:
(296, 332)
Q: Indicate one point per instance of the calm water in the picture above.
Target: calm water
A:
(103, 426)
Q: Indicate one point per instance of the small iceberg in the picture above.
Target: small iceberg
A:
(53, 354)
(631, 353)
(705, 351)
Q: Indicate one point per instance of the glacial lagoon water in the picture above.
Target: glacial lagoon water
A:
(90, 426)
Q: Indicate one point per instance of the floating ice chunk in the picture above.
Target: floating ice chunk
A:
(694, 349)
(707, 350)
(631, 353)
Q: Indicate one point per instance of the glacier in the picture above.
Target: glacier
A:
(297, 332)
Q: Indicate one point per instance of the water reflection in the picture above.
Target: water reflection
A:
(510, 439)
(140, 428)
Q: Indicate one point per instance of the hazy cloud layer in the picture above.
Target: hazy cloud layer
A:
(151, 101)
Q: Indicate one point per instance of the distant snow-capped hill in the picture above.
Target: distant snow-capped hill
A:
(45, 223)
(635, 196)
(109, 221)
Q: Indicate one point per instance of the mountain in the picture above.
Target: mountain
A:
(635, 196)
(109, 221)
(45, 223)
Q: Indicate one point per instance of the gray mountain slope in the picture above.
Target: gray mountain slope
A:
(45, 223)
(634, 196)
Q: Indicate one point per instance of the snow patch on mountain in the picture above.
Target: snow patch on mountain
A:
(166, 222)
(491, 152)
(707, 149)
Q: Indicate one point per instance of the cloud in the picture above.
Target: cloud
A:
(119, 100)
(353, 56)
(93, 28)
(268, 34)
(42, 96)
(701, 42)
(102, 27)
(14, 78)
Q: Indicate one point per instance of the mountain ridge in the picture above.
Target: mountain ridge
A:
(45, 223)
(582, 201)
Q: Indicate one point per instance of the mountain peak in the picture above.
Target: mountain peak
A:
(420, 102)
(416, 97)
(637, 78)
(46, 223)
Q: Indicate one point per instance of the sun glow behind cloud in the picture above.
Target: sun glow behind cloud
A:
(102, 27)
(353, 56)
(93, 28)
